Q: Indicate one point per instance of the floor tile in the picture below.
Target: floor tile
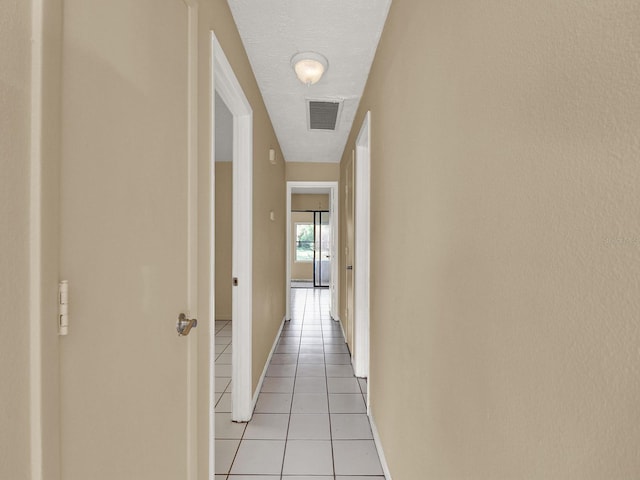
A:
(305, 477)
(310, 403)
(310, 370)
(363, 384)
(284, 358)
(308, 457)
(317, 358)
(311, 385)
(259, 457)
(224, 404)
(334, 340)
(339, 371)
(338, 358)
(281, 371)
(254, 477)
(274, 403)
(222, 383)
(225, 451)
(307, 348)
(350, 477)
(221, 340)
(286, 348)
(349, 426)
(310, 341)
(330, 348)
(343, 385)
(226, 429)
(356, 457)
(223, 359)
(278, 384)
(332, 333)
(309, 427)
(267, 426)
(346, 403)
(291, 333)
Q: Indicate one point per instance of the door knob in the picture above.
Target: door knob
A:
(184, 325)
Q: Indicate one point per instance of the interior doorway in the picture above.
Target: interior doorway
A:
(311, 245)
(226, 88)
(312, 239)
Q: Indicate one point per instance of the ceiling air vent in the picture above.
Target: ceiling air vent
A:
(323, 115)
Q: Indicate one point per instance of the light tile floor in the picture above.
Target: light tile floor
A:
(310, 421)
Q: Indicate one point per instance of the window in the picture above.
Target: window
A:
(304, 242)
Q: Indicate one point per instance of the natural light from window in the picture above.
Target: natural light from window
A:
(304, 242)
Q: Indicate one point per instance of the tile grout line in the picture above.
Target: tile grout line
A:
(295, 377)
(326, 380)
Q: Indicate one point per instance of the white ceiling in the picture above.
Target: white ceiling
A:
(346, 32)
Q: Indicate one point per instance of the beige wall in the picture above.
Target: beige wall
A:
(300, 270)
(224, 236)
(309, 202)
(15, 32)
(310, 171)
(29, 380)
(505, 336)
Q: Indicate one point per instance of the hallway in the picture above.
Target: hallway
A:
(310, 420)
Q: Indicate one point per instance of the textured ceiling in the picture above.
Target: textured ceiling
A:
(346, 32)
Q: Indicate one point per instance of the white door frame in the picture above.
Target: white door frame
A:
(362, 172)
(333, 221)
(225, 83)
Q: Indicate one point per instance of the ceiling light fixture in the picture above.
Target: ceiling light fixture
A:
(309, 66)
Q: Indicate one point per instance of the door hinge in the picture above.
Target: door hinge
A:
(63, 307)
(235, 281)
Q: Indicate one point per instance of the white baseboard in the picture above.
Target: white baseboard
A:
(378, 443)
(344, 335)
(266, 366)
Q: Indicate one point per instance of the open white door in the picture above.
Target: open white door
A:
(128, 240)
(361, 261)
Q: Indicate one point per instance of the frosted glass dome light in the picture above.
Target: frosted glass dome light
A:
(309, 66)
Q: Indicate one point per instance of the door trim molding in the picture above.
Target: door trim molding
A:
(362, 173)
(333, 209)
(227, 86)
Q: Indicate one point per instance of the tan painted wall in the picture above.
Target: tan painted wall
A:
(15, 289)
(299, 270)
(309, 202)
(15, 32)
(224, 236)
(310, 171)
(505, 321)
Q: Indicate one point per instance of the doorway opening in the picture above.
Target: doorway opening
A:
(235, 133)
(311, 234)
(312, 239)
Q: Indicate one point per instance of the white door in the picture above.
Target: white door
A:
(125, 241)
